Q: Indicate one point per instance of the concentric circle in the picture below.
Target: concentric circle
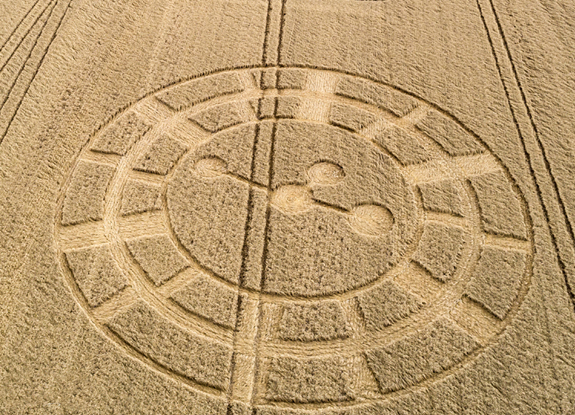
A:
(327, 226)
(319, 240)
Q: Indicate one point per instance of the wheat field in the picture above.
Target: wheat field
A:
(287, 207)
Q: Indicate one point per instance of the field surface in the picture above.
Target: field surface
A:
(287, 207)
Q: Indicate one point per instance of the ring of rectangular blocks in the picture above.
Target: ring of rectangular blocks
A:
(177, 226)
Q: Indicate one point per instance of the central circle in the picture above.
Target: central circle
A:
(292, 208)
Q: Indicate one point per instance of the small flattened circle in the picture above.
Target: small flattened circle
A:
(371, 220)
(210, 167)
(292, 199)
(325, 173)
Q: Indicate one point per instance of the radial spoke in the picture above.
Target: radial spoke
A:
(373, 129)
(322, 81)
(178, 282)
(413, 117)
(188, 132)
(429, 171)
(435, 170)
(476, 320)
(446, 218)
(476, 165)
(417, 280)
(505, 242)
(154, 111)
(363, 381)
(121, 301)
(314, 109)
(151, 178)
(82, 235)
(112, 159)
(143, 224)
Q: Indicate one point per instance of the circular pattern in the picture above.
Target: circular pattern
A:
(312, 215)
(325, 240)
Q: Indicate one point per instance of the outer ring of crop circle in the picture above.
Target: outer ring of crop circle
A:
(523, 291)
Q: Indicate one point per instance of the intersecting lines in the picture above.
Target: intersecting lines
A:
(187, 191)
(546, 185)
(23, 54)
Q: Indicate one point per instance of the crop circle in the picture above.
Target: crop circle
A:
(320, 241)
